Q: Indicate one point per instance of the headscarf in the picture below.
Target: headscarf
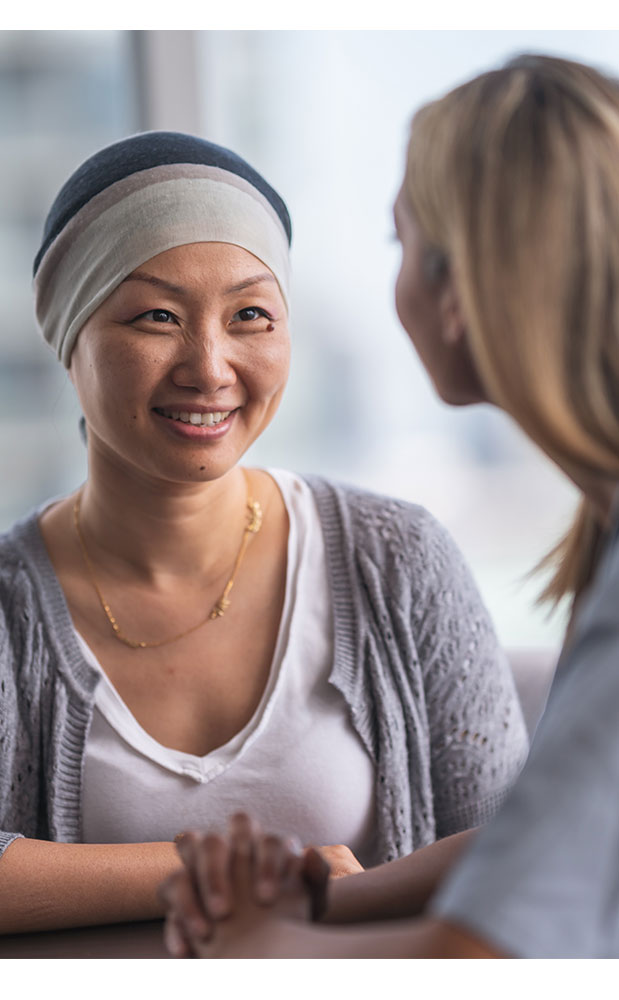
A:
(134, 200)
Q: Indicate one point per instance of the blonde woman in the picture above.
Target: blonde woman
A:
(508, 218)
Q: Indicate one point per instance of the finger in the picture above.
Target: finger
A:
(294, 860)
(179, 895)
(277, 863)
(244, 833)
(174, 939)
(212, 867)
(187, 847)
(342, 860)
(315, 874)
(206, 857)
(316, 868)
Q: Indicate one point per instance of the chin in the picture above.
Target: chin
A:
(455, 399)
(194, 470)
(461, 395)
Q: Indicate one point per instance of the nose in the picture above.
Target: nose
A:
(205, 364)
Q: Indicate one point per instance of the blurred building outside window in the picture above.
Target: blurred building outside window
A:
(63, 94)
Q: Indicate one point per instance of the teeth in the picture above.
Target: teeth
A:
(198, 419)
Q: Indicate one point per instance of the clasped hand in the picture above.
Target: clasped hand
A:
(233, 890)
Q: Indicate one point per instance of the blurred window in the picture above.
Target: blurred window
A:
(63, 94)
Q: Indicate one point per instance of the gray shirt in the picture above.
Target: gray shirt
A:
(542, 880)
(416, 659)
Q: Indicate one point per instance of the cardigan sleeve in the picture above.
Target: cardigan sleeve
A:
(6, 839)
(478, 738)
(9, 738)
(21, 677)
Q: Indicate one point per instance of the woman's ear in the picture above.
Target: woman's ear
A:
(453, 326)
(464, 380)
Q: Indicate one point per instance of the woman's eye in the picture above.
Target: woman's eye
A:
(249, 314)
(157, 316)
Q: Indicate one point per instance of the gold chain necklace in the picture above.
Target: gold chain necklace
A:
(219, 608)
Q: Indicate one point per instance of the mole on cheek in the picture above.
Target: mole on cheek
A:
(202, 468)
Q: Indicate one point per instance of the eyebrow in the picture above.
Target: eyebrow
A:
(255, 280)
(150, 279)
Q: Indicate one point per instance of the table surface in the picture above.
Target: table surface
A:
(136, 940)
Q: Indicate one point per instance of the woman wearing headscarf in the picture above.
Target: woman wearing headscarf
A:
(183, 636)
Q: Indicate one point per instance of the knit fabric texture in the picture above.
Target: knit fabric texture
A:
(132, 201)
(428, 689)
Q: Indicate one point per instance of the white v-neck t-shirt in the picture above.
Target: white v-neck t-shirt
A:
(298, 765)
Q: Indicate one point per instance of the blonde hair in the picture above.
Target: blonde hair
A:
(514, 177)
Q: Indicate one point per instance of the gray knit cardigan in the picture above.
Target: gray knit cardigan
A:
(416, 659)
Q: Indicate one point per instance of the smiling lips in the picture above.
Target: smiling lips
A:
(197, 419)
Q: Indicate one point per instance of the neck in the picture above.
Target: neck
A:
(160, 528)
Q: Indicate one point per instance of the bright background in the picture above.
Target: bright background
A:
(324, 115)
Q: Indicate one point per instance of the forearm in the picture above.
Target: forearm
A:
(45, 886)
(398, 889)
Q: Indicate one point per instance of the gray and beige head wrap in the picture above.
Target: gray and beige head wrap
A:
(137, 198)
